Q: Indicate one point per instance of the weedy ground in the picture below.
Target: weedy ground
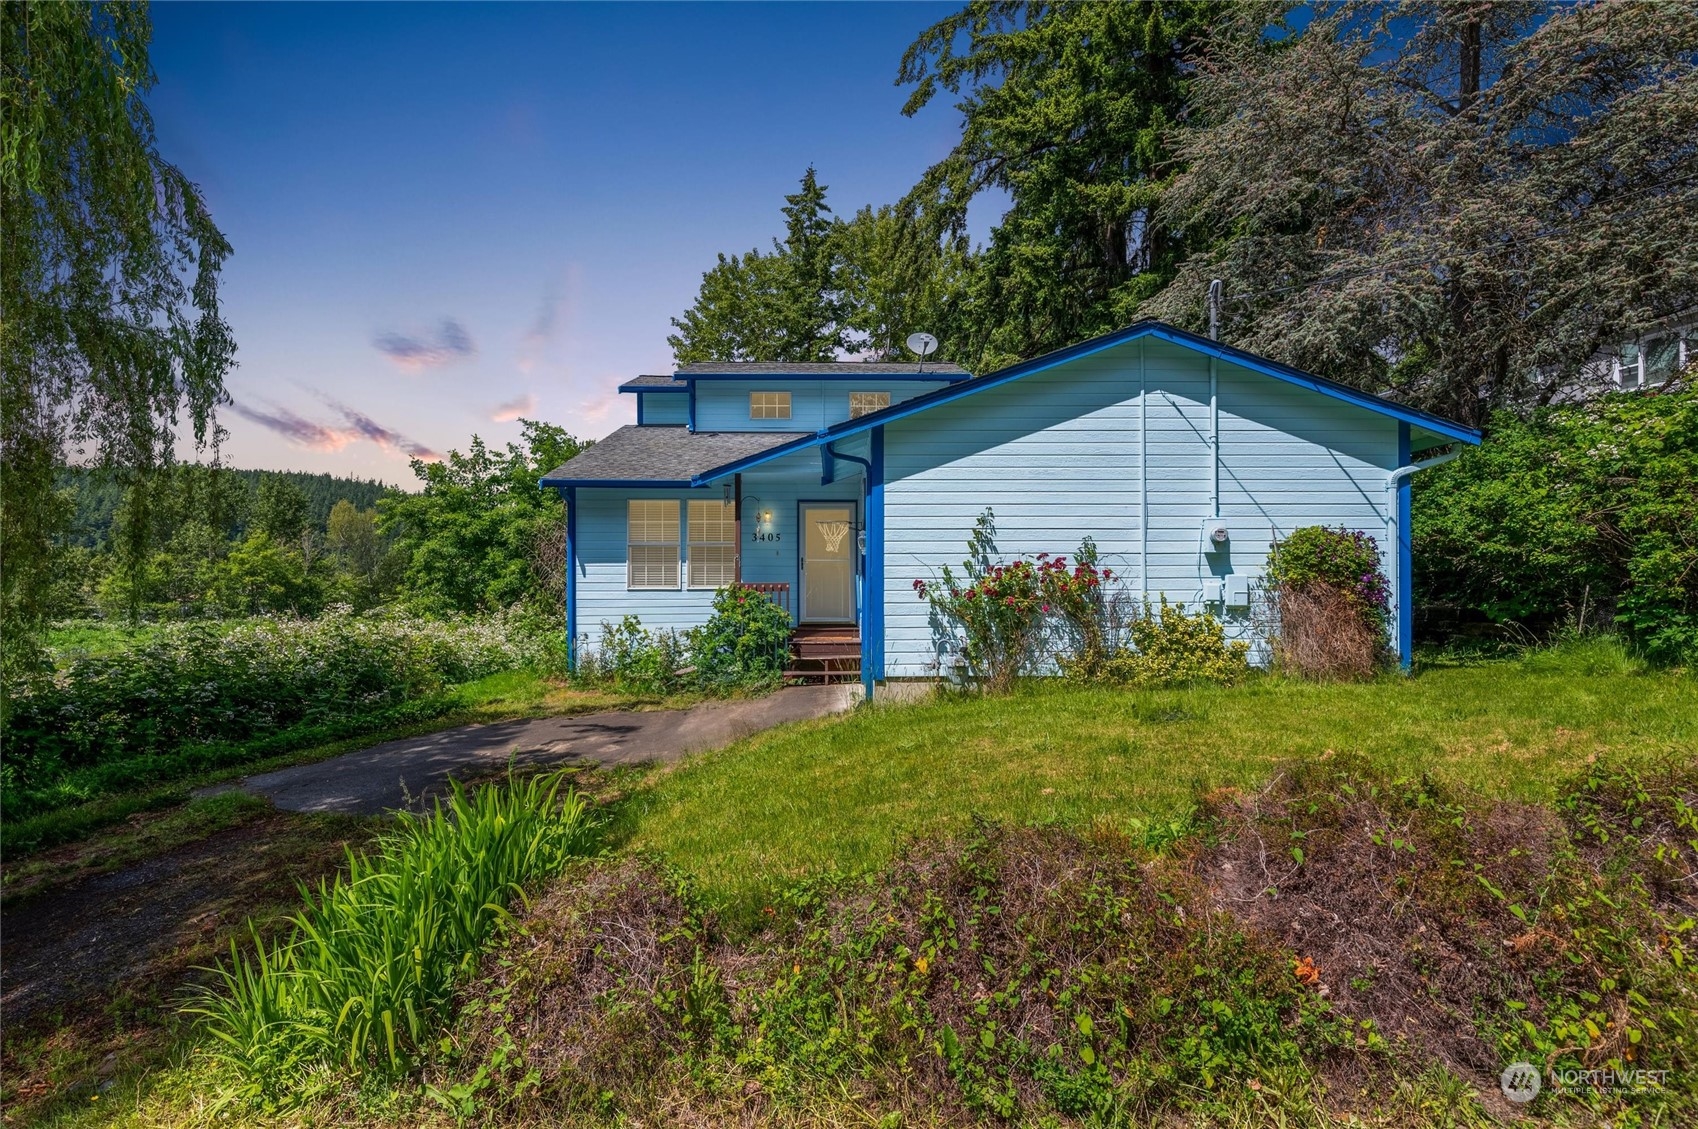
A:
(1277, 904)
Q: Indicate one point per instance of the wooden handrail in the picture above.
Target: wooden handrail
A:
(777, 593)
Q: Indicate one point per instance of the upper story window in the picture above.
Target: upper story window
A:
(651, 543)
(713, 544)
(865, 403)
(769, 405)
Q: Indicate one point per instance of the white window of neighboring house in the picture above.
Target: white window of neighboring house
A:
(864, 403)
(1662, 359)
(769, 405)
(1627, 368)
(651, 544)
(713, 544)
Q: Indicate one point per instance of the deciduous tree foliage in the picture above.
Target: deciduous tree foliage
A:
(470, 537)
(1453, 203)
(111, 335)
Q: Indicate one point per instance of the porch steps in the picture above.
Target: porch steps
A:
(825, 655)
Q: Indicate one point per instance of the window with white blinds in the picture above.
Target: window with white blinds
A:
(651, 544)
(865, 403)
(769, 405)
(713, 544)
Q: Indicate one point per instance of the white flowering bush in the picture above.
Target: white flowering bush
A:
(196, 683)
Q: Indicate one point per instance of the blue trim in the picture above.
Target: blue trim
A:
(640, 397)
(872, 571)
(661, 389)
(692, 407)
(922, 402)
(862, 378)
(1405, 557)
(628, 483)
(571, 496)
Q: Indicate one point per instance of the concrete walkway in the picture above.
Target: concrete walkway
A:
(386, 776)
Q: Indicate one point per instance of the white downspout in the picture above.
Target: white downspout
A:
(1214, 402)
(1143, 473)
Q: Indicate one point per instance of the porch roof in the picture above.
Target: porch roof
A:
(662, 455)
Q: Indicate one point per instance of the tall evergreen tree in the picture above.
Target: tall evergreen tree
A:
(777, 306)
(1457, 204)
(1070, 109)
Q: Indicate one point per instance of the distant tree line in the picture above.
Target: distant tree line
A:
(99, 494)
(478, 535)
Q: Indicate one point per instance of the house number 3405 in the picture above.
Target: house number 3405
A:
(757, 535)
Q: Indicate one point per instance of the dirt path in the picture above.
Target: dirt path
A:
(114, 939)
(386, 776)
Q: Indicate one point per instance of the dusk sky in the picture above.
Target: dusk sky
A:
(448, 216)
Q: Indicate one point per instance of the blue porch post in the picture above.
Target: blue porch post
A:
(571, 496)
(1405, 558)
(872, 575)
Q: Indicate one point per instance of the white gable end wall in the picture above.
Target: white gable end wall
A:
(1056, 455)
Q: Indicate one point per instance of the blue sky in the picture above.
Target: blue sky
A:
(445, 215)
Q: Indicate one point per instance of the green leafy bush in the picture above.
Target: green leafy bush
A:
(366, 979)
(744, 644)
(1169, 647)
(1578, 514)
(635, 660)
(742, 647)
(1346, 560)
(200, 683)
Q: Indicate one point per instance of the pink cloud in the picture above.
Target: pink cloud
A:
(517, 408)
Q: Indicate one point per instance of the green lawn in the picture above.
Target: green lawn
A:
(840, 793)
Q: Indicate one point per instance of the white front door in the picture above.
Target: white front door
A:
(828, 564)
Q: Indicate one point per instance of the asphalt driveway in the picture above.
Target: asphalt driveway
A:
(400, 773)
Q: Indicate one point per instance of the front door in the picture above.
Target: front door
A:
(828, 564)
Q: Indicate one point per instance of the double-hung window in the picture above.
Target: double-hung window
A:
(865, 403)
(769, 405)
(713, 544)
(651, 543)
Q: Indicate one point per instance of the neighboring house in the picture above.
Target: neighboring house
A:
(835, 486)
(1646, 363)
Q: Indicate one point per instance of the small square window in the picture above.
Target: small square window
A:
(769, 405)
(865, 403)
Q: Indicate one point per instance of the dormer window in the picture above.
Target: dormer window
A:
(769, 405)
(865, 403)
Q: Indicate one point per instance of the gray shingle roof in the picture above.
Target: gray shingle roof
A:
(941, 370)
(654, 384)
(663, 454)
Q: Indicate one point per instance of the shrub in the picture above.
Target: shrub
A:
(366, 979)
(1169, 647)
(1347, 560)
(1578, 513)
(192, 684)
(744, 645)
(635, 660)
(1331, 603)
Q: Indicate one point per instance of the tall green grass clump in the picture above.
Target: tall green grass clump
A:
(364, 981)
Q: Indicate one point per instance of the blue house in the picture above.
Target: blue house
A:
(833, 487)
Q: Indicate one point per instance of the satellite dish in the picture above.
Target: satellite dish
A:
(922, 343)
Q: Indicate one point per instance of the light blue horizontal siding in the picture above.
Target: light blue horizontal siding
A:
(779, 486)
(723, 405)
(665, 407)
(1056, 456)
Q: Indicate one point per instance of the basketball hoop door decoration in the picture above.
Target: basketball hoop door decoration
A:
(833, 533)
